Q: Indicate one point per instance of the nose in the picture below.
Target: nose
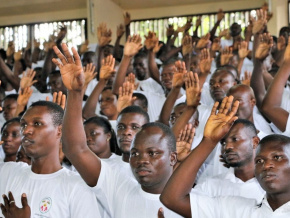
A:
(27, 130)
(143, 159)
(127, 131)
(268, 164)
(216, 84)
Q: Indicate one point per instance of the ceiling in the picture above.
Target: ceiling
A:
(19, 7)
(135, 4)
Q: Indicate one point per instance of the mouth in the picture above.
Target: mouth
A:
(26, 142)
(142, 172)
(230, 155)
(267, 177)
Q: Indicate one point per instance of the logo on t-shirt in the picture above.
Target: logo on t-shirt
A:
(45, 205)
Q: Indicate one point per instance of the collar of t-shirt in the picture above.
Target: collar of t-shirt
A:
(230, 175)
(285, 208)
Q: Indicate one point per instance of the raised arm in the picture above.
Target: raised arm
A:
(12, 79)
(175, 195)
(192, 101)
(257, 81)
(271, 105)
(73, 135)
(132, 47)
(177, 83)
(106, 72)
(220, 16)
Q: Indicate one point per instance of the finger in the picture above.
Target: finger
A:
(57, 63)
(59, 55)
(54, 96)
(3, 209)
(63, 101)
(161, 213)
(214, 108)
(228, 104)
(47, 98)
(58, 97)
(77, 58)
(6, 202)
(33, 74)
(24, 200)
(234, 109)
(120, 91)
(11, 199)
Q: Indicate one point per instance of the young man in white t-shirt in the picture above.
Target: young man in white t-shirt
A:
(52, 191)
(152, 155)
(272, 170)
(238, 151)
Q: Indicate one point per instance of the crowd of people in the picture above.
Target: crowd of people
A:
(148, 129)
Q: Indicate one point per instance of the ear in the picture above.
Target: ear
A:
(109, 136)
(59, 131)
(255, 141)
(173, 158)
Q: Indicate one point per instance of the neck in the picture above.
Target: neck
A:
(245, 172)
(126, 157)
(277, 200)
(46, 165)
(113, 117)
(10, 158)
(105, 155)
(251, 118)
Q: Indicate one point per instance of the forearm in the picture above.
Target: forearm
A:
(121, 74)
(240, 65)
(172, 52)
(128, 32)
(183, 120)
(153, 69)
(35, 55)
(92, 101)
(195, 33)
(48, 66)
(168, 105)
(74, 140)
(27, 58)
(176, 196)
(257, 82)
(213, 30)
(13, 80)
(117, 50)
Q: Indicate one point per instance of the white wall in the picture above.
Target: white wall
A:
(280, 16)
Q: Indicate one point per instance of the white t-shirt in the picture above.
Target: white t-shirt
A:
(228, 184)
(234, 207)
(57, 195)
(150, 85)
(123, 198)
(2, 154)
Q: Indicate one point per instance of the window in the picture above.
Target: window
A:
(21, 35)
(208, 20)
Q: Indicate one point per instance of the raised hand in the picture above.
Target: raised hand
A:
(107, 68)
(246, 80)
(27, 79)
(205, 61)
(219, 123)
(61, 34)
(260, 23)
(203, 42)
(169, 30)
(226, 55)
(23, 96)
(220, 15)
(243, 50)
(104, 35)
(11, 49)
(131, 79)
(187, 46)
(59, 99)
(265, 45)
(151, 40)
(70, 68)
(216, 44)
(120, 30)
(224, 33)
(281, 43)
(127, 18)
(193, 91)
(17, 56)
(84, 47)
(287, 51)
(179, 72)
(184, 142)
(132, 46)
(125, 98)
(10, 210)
(90, 73)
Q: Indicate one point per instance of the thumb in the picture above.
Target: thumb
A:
(24, 200)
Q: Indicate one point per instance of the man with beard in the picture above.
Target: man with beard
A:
(238, 150)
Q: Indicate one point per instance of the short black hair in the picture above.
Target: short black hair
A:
(170, 138)
(105, 124)
(11, 96)
(248, 125)
(141, 54)
(282, 139)
(55, 72)
(54, 109)
(15, 119)
(224, 69)
(142, 98)
(135, 109)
